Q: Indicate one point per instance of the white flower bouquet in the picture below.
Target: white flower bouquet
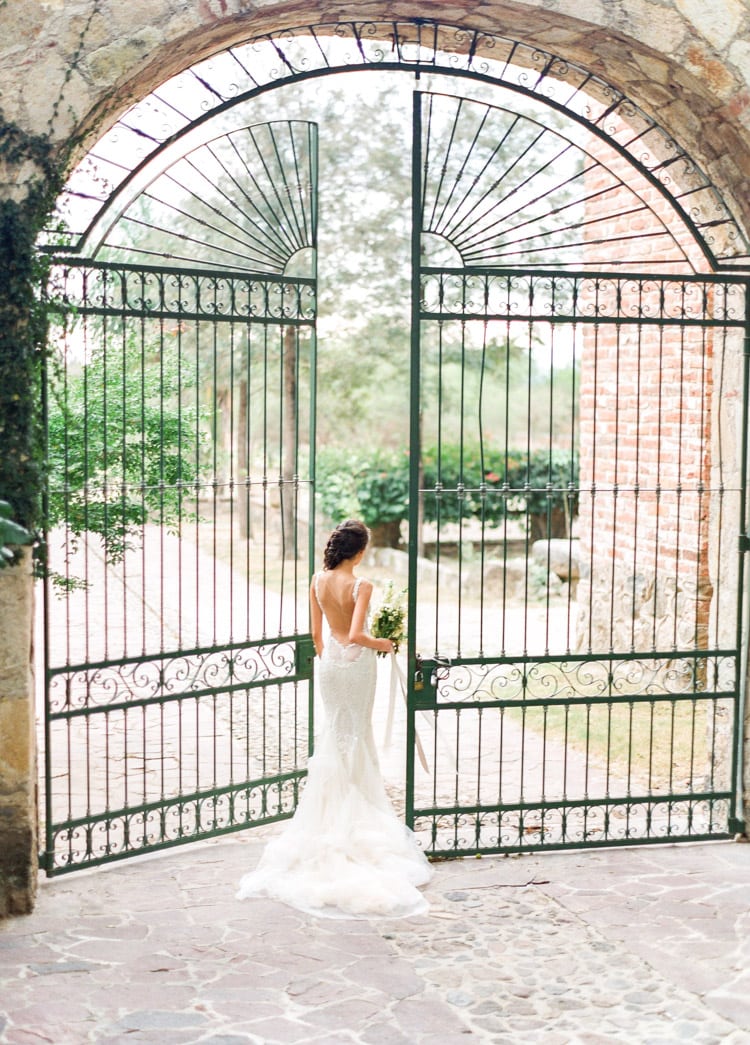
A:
(389, 620)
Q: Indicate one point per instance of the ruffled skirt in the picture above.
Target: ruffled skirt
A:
(345, 853)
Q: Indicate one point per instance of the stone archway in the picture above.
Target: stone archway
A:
(82, 67)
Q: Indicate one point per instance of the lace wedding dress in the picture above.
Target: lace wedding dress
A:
(345, 853)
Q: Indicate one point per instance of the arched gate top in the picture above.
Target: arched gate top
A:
(182, 105)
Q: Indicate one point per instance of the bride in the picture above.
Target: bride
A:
(344, 853)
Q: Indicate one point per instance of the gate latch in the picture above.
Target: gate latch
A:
(418, 676)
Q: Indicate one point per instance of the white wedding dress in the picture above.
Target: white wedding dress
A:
(345, 853)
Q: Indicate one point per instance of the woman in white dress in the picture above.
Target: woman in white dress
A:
(345, 853)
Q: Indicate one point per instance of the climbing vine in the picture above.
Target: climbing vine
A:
(23, 323)
(23, 316)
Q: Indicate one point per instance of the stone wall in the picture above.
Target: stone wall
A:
(18, 763)
(69, 68)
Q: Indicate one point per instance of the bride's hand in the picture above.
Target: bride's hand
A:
(386, 646)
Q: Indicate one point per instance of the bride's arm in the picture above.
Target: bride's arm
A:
(357, 632)
(316, 620)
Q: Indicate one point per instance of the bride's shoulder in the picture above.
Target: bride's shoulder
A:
(362, 586)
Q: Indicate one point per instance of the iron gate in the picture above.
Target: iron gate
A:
(180, 425)
(582, 613)
(575, 648)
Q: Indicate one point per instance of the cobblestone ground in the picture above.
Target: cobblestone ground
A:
(630, 945)
(648, 945)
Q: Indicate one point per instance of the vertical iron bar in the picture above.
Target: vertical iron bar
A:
(462, 484)
(180, 476)
(215, 434)
(313, 419)
(506, 467)
(198, 481)
(527, 484)
(162, 488)
(232, 486)
(48, 857)
(144, 514)
(742, 662)
(482, 488)
(439, 492)
(415, 448)
(121, 436)
(658, 491)
(679, 491)
(574, 475)
(266, 467)
(636, 480)
(615, 491)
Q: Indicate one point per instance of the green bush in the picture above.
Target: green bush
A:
(122, 447)
(369, 485)
(12, 535)
(460, 483)
(464, 483)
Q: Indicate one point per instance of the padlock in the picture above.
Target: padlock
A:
(418, 681)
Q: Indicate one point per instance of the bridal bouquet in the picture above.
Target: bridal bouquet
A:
(389, 621)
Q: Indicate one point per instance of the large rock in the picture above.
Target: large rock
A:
(561, 557)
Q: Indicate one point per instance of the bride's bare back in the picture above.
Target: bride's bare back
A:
(333, 594)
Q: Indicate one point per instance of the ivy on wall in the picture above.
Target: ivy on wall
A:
(23, 317)
(23, 322)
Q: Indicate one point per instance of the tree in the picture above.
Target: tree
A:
(364, 253)
(124, 441)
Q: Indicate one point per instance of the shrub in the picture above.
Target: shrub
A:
(460, 483)
(369, 485)
(12, 535)
(540, 487)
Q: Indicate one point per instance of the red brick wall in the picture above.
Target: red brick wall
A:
(645, 434)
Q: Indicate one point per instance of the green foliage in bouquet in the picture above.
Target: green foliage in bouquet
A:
(389, 620)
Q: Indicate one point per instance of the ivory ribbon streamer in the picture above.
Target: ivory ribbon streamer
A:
(398, 678)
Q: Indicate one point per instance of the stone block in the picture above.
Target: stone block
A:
(116, 60)
(718, 29)
(508, 575)
(16, 739)
(18, 785)
(562, 557)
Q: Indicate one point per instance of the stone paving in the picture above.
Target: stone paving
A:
(637, 945)
(646, 945)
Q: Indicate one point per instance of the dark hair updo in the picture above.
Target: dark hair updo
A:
(347, 540)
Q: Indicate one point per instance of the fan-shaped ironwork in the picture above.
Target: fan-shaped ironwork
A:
(505, 189)
(193, 97)
(243, 200)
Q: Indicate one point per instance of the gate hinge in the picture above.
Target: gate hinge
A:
(744, 542)
(738, 828)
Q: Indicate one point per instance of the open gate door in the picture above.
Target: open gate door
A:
(180, 423)
(574, 651)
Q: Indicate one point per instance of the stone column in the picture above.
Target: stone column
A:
(28, 183)
(18, 763)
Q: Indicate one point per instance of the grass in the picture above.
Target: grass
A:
(656, 746)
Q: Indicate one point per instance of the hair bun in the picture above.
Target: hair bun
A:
(347, 540)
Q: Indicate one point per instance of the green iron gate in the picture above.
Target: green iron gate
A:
(575, 666)
(577, 392)
(180, 421)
